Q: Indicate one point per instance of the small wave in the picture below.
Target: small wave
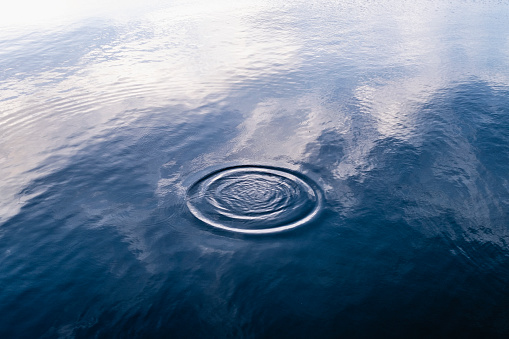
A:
(254, 199)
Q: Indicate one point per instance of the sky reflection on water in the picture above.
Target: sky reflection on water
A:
(398, 110)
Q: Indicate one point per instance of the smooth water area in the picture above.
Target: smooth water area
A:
(263, 169)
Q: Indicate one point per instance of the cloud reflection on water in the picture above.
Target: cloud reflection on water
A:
(395, 110)
(363, 77)
(168, 57)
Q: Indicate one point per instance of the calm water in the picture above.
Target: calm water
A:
(365, 143)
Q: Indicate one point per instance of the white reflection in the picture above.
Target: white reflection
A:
(393, 59)
(439, 48)
(187, 55)
(283, 128)
(30, 14)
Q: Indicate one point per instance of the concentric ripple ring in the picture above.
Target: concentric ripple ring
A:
(254, 199)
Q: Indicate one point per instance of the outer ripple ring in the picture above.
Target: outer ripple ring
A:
(255, 199)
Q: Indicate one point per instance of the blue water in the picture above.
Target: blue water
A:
(139, 143)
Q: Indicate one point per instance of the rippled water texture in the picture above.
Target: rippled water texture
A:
(262, 169)
(254, 199)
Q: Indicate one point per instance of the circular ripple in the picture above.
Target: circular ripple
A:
(254, 199)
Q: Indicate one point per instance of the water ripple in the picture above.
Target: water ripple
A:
(254, 199)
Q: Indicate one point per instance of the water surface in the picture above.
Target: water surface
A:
(390, 119)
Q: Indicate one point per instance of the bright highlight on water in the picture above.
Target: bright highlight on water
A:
(254, 199)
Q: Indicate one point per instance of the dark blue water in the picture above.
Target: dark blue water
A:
(257, 170)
